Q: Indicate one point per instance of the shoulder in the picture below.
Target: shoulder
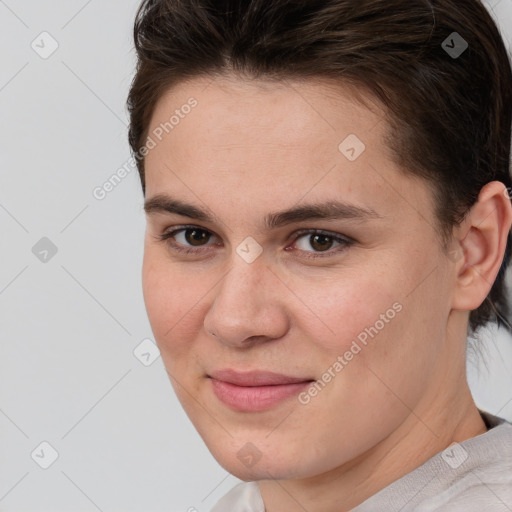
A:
(244, 497)
(475, 474)
(481, 476)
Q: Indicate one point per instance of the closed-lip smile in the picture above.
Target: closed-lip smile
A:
(254, 390)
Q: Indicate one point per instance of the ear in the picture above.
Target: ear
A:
(483, 239)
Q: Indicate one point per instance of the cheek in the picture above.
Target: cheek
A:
(344, 307)
(158, 294)
(175, 300)
(169, 297)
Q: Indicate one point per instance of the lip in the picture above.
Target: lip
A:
(255, 378)
(254, 390)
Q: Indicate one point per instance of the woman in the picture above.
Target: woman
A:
(328, 217)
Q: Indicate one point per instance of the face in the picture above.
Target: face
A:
(289, 337)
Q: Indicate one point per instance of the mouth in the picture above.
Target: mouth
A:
(255, 390)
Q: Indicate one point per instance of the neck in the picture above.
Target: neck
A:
(446, 414)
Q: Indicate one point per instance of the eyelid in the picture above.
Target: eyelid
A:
(344, 240)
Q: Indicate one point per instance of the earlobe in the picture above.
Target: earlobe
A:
(487, 226)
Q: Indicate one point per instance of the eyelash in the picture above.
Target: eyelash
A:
(346, 242)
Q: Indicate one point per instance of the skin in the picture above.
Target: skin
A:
(251, 148)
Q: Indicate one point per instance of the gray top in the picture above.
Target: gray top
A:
(475, 475)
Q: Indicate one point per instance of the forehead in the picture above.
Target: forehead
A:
(260, 109)
(266, 140)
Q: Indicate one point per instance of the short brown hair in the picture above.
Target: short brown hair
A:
(449, 115)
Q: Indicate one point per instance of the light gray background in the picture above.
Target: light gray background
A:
(70, 325)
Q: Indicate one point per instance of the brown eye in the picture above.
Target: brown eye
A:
(195, 237)
(321, 242)
(187, 239)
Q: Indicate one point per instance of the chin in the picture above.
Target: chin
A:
(251, 449)
(260, 459)
(259, 471)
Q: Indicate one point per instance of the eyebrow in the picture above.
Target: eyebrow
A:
(331, 210)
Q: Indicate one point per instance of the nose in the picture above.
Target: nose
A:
(248, 305)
